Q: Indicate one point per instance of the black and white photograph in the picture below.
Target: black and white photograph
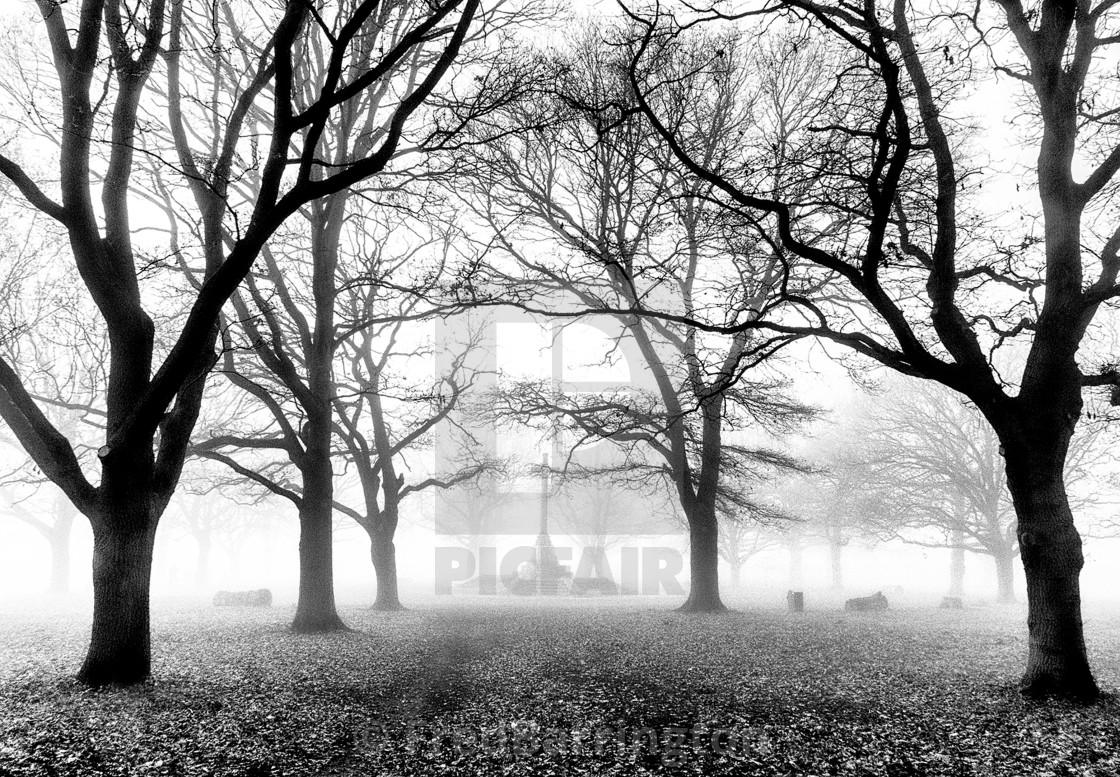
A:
(574, 388)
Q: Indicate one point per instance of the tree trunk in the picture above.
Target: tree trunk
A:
(956, 565)
(1050, 547)
(737, 574)
(384, 555)
(1005, 578)
(315, 610)
(120, 645)
(703, 559)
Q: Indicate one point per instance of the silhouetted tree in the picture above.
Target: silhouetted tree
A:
(383, 416)
(934, 458)
(579, 171)
(104, 59)
(911, 287)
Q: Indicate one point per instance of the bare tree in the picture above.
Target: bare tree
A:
(741, 539)
(468, 510)
(76, 416)
(45, 325)
(290, 315)
(576, 170)
(208, 509)
(591, 505)
(105, 56)
(897, 186)
(54, 526)
(934, 458)
(833, 503)
(382, 417)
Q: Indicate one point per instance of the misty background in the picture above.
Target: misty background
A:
(212, 539)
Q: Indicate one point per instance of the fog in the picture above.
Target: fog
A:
(255, 545)
(267, 558)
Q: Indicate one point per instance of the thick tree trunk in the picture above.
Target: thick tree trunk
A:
(1005, 578)
(384, 555)
(703, 556)
(315, 610)
(1035, 430)
(1050, 547)
(120, 645)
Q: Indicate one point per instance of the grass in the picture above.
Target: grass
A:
(506, 686)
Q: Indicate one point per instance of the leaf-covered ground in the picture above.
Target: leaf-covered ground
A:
(507, 686)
